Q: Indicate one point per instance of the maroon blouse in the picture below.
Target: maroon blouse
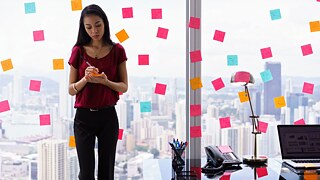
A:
(97, 95)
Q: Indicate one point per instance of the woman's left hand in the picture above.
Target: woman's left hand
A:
(98, 78)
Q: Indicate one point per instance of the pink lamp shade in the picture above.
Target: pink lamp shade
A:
(242, 78)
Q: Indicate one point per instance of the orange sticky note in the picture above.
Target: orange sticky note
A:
(120, 134)
(310, 176)
(195, 131)
(243, 96)
(314, 26)
(122, 35)
(72, 142)
(44, 119)
(279, 102)
(195, 110)
(58, 64)
(195, 83)
(76, 5)
(6, 65)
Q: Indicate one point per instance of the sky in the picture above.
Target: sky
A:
(247, 25)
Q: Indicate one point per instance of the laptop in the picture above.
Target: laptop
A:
(300, 146)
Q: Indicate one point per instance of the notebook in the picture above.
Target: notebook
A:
(300, 145)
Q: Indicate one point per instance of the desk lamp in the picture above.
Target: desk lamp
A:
(244, 78)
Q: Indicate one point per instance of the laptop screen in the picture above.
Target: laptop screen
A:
(299, 141)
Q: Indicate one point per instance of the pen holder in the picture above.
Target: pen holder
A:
(178, 161)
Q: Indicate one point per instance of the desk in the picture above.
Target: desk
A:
(160, 169)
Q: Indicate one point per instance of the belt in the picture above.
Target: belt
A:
(98, 109)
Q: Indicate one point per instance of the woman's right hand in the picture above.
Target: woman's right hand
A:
(90, 73)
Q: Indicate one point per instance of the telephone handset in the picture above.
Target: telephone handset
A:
(218, 160)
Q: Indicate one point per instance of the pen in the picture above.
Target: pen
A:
(88, 63)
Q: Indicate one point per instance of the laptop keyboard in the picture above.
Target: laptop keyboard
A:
(307, 161)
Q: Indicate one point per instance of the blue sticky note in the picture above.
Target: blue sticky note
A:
(30, 7)
(266, 75)
(232, 60)
(275, 14)
(145, 106)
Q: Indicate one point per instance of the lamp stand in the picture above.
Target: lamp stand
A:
(254, 159)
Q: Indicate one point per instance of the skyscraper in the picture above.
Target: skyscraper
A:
(272, 89)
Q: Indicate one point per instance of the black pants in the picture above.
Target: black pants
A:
(104, 125)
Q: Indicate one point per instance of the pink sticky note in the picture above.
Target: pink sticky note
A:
(34, 85)
(143, 59)
(219, 35)
(156, 13)
(4, 106)
(195, 131)
(266, 52)
(162, 33)
(38, 35)
(225, 122)
(195, 56)
(225, 149)
(242, 77)
(225, 176)
(308, 88)
(195, 110)
(120, 134)
(160, 89)
(263, 126)
(194, 23)
(197, 171)
(44, 119)
(306, 49)
(300, 122)
(262, 172)
(218, 84)
(127, 12)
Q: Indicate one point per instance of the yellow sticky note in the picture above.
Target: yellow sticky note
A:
(279, 102)
(122, 35)
(314, 26)
(243, 96)
(72, 142)
(6, 65)
(58, 64)
(76, 5)
(195, 83)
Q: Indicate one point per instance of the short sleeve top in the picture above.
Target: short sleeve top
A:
(97, 95)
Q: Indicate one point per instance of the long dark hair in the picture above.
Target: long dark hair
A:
(83, 37)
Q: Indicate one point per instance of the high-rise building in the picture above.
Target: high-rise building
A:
(73, 165)
(272, 89)
(52, 159)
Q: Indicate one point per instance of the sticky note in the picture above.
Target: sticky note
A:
(306, 49)
(225, 176)
(197, 171)
(266, 75)
(58, 64)
(76, 5)
(195, 131)
(160, 89)
(194, 23)
(243, 96)
(263, 126)
(143, 59)
(195, 110)
(219, 35)
(120, 134)
(275, 14)
(225, 122)
(162, 33)
(6, 65)
(308, 88)
(195, 56)
(261, 172)
(127, 12)
(72, 142)
(310, 176)
(38, 35)
(156, 13)
(279, 102)
(232, 60)
(44, 119)
(266, 52)
(122, 35)
(218, 84)
(195, 83)
(34, 85)
(299, 122)
(4, 106)
(225, 149)
(314, 26)
(145, 106)
(30, 7)
(242, 76)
